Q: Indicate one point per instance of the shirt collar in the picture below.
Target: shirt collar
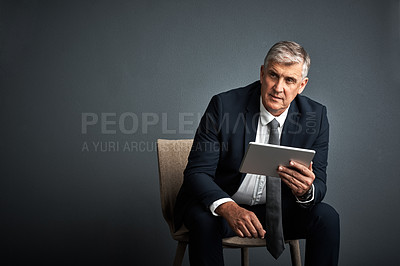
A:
(266, 117)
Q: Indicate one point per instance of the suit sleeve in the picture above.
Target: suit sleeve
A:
(199, 174)
(320, 161)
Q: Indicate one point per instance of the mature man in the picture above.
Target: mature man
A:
(217, 201)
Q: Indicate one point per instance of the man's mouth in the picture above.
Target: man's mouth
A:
(275, 97)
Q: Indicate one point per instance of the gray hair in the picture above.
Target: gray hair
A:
(288, 52)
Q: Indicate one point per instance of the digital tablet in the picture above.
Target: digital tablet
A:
(263, 159)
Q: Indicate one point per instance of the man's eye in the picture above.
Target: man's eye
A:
(272, 75)
(290, 80)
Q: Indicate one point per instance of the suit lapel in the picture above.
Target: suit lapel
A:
(291, 128)
(251, 116)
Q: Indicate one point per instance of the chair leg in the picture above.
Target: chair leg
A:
(295, 252)
(244, 256)
(180, 252)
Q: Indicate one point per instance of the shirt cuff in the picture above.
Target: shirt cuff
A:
(217, 203)
(308, 197)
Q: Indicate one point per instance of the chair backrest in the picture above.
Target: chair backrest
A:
(172, 160)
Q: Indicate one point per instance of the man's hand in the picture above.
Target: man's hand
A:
(243, 222)
(297, 177)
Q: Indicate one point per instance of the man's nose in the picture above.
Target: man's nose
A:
(279, 85)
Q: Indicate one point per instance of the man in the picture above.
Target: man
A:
(217, 201)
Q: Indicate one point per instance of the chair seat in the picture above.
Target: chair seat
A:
(237, 241)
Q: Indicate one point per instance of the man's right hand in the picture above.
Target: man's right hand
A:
(243, 222)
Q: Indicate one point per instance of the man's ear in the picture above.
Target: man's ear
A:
(261, 74)
(302, 85)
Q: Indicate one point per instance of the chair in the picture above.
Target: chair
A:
(172, 160)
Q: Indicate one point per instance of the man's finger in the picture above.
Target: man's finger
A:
(289, 173)
(259, 228)
(245, 231)
(288, 180)
(238, 232)
(252, 230)
(301, 174)
(256, 225)
(293, 183)
(301, 168)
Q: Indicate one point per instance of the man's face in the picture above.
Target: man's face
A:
(280, 83)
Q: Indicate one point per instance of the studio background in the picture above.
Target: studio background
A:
(62, 62)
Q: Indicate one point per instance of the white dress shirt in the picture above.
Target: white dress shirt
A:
(252, 190)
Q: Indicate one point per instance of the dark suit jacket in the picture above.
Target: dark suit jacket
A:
(228, 125)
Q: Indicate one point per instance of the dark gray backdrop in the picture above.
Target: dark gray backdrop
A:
(62, 63)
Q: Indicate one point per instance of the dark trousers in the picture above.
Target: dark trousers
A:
(319, 225)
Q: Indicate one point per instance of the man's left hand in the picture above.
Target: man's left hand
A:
(297, 177)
